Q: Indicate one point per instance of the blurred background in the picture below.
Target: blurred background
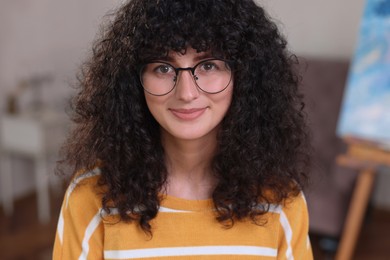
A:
(42, 45)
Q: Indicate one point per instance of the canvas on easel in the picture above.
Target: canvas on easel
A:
(365, 110)
(364, 121)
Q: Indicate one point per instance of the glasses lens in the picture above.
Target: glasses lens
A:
(213, 76)
(158, 78)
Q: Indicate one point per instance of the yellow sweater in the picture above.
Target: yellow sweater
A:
(183, 229)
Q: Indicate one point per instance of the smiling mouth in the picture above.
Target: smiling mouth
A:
(188, 114)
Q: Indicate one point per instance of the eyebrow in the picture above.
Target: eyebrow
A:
(203, 56)
(196, 58)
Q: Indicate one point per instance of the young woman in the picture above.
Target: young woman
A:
(189, 140)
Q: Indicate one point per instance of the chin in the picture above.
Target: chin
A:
(191, 134)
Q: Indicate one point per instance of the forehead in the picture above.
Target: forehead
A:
(188, 55)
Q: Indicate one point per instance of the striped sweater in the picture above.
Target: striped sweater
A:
(183, 229)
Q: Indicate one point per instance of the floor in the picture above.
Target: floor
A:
(23, 238)
(373, 242)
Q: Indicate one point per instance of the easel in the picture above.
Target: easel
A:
(367, 158)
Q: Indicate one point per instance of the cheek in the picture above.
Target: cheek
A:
(154, 103)
(224, 101)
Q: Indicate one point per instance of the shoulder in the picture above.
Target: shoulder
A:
(295, 201)
(290, 212)
(294, 228)
(84, 189)
(293, 210)
(80, 218)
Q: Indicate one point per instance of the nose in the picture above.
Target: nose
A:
(186, 88)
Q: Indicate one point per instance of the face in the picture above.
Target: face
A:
(188, 113)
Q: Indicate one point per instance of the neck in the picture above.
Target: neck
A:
(189, 166)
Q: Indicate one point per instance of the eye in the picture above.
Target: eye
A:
(158, 69)
(207, 66)
(163, 69)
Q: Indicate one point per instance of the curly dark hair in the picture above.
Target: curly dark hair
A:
(263, 139)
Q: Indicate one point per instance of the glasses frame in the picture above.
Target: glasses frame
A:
(229, 63)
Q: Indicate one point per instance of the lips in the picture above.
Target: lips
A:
(188, 114)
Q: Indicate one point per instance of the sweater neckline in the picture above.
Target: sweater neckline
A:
(180, 204)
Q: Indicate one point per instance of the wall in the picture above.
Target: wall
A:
(39, 38)
(46, 37)
(326, 29)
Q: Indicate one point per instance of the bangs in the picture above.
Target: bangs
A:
(165, 26)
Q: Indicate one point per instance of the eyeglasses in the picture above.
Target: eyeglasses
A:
(211, 76)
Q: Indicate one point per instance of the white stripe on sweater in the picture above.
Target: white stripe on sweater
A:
(60, 227)
(190, 251)
(93, 224)
(288, 234)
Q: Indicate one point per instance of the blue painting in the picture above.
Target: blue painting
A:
(365, 110)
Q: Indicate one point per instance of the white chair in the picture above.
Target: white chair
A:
(37, 136)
